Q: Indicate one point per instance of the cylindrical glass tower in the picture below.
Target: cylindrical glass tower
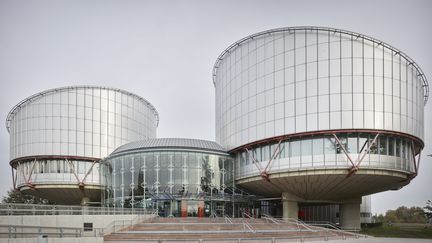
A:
(58, 136)
(319, 113)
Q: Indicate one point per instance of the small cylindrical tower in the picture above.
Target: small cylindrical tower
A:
(58, 136)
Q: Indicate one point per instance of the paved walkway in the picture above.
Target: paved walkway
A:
(362, 240)
(380, 240)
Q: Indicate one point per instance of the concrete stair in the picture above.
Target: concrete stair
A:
(221, 230)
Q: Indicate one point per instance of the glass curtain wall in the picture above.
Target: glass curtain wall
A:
(177, 183)
(388, 152)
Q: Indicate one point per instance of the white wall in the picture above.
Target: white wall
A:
(55, 240)
(99, 221)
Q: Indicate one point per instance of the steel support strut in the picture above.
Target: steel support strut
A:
(362, 155)
(355, 164)
(80, 182)
(265, 173)
(343, 149)
(254, 160)
(72, 167)
(88, 173)
(416, 161)
(30, 174)
(26, 179)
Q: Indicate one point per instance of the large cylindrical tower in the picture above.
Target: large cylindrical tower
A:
(58, 136)
(319, 114)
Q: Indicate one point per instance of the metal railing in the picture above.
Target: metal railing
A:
(118, 225)
(227, 219)
(26, 231)
(249, 231)
(42, 209)
(330, 226)
(297, 222)
(325, 224)
(255, 239)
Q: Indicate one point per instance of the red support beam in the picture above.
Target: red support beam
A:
(343, 149)
(254, 160)
(31, 171)
(72, 167)
(265, 173)
(418, 141)
(88, 173)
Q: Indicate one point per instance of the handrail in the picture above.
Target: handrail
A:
(118, 225)
(290, 220)
(19, 231)
(227, 218)
(213, 215)
(333, 227)
(42, 209)
(247, 225)
(266, 216)
(323, 223)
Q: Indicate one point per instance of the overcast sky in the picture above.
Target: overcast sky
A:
(164, 51)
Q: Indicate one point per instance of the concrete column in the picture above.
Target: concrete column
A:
(290, 205)
(85, 201)
(349, 214)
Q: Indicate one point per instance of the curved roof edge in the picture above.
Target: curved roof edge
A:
(49, 91)
(182, 143)
(284, 29)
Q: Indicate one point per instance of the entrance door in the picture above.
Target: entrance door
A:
(184, 211)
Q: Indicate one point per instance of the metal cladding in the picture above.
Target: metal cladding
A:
(305, 79)
(58, 136)
(170, 143)
(298, 104)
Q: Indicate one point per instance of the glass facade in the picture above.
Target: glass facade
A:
(57, 170)
(79, 121)
(298, 80)
(176, 181)
(324, 152)
(82, 122)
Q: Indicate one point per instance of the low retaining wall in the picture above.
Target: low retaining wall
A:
(99, 223)
(77, 221)
(55, 240)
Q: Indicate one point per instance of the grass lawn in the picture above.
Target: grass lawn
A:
(400, 231)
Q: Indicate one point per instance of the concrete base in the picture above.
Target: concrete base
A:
(349, 214)
(290, 205)
(56, 240)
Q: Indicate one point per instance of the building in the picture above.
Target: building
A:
(319, 115)
(58, 136)
(177, 176)
(309, 121)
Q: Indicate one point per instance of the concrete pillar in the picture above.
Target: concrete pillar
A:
(290, 205)
(85, 201)
(349, 214)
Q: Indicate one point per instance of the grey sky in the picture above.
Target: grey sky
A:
(164, 51)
